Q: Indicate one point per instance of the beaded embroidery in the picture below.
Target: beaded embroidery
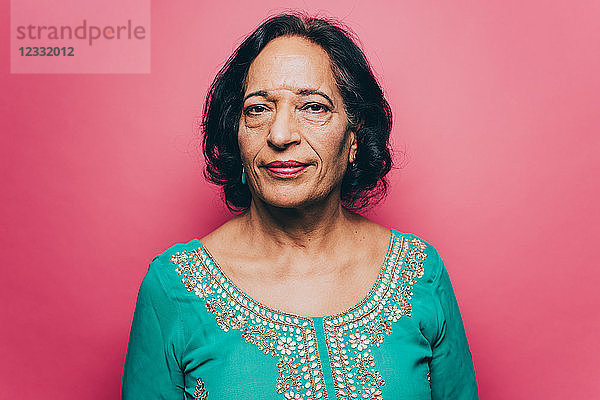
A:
(200, 393)
(288, 337)
(349, 335)
(368, 323)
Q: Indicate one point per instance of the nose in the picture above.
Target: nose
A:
(284, 129)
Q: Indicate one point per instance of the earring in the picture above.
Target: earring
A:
(243, 176)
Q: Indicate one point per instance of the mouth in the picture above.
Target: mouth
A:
(286, 169)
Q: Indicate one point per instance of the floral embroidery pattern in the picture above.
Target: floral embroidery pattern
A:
(372, 394)
(288, 337)
(288, 371)
(359, 341)
(363, 362)
(291, 339)
(368, 323)
(377, 330)
(200, 393)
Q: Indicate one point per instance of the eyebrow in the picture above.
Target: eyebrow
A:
(302, 92)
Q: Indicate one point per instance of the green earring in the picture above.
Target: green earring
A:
(243, 176)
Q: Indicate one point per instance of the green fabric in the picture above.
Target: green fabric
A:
(196, 335)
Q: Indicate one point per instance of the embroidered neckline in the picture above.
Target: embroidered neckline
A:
(376, 286)
(350, 336)
(290, 339)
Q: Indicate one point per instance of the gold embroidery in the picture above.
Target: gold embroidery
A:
(369, 322)
(372, 394)
(263, 338)
(377, 330)
(288, 376)
(364, 374)
(349, 335)
(200, 393)
(288, 337)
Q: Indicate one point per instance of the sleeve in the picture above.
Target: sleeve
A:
(152, 369)
(452, 374)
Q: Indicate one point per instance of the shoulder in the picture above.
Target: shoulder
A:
(162, 271)
(170, 253)
(421, 252)
(419, 242)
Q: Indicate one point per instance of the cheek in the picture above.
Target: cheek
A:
(254, 123)
(249, 145)
(251, 132)
(332, 145)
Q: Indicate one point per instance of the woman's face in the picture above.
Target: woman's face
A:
(293, 110)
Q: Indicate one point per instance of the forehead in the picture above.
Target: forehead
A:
(291, 63)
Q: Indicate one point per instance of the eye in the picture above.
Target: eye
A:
(254, 109)
(316, 107)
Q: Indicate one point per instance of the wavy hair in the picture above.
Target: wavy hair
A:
(369, 113)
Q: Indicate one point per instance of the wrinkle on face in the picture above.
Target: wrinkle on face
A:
(283, 119)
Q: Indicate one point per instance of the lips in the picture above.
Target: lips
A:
(285, 164)
(285, 169)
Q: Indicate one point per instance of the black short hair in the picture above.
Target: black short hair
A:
(369, 113)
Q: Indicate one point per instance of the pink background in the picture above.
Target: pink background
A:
(496, 105)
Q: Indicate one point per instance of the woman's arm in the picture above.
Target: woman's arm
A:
(451, 367)
(152, 369)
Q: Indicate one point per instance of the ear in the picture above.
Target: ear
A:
(353, 147)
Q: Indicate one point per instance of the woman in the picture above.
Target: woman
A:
(298, 296)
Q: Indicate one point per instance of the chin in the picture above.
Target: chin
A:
(286, 203)
(296, 199)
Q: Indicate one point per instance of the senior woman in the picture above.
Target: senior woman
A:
(298, 296)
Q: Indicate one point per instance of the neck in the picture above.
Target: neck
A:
(314, 228)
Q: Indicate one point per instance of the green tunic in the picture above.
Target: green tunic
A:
(196, 335)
